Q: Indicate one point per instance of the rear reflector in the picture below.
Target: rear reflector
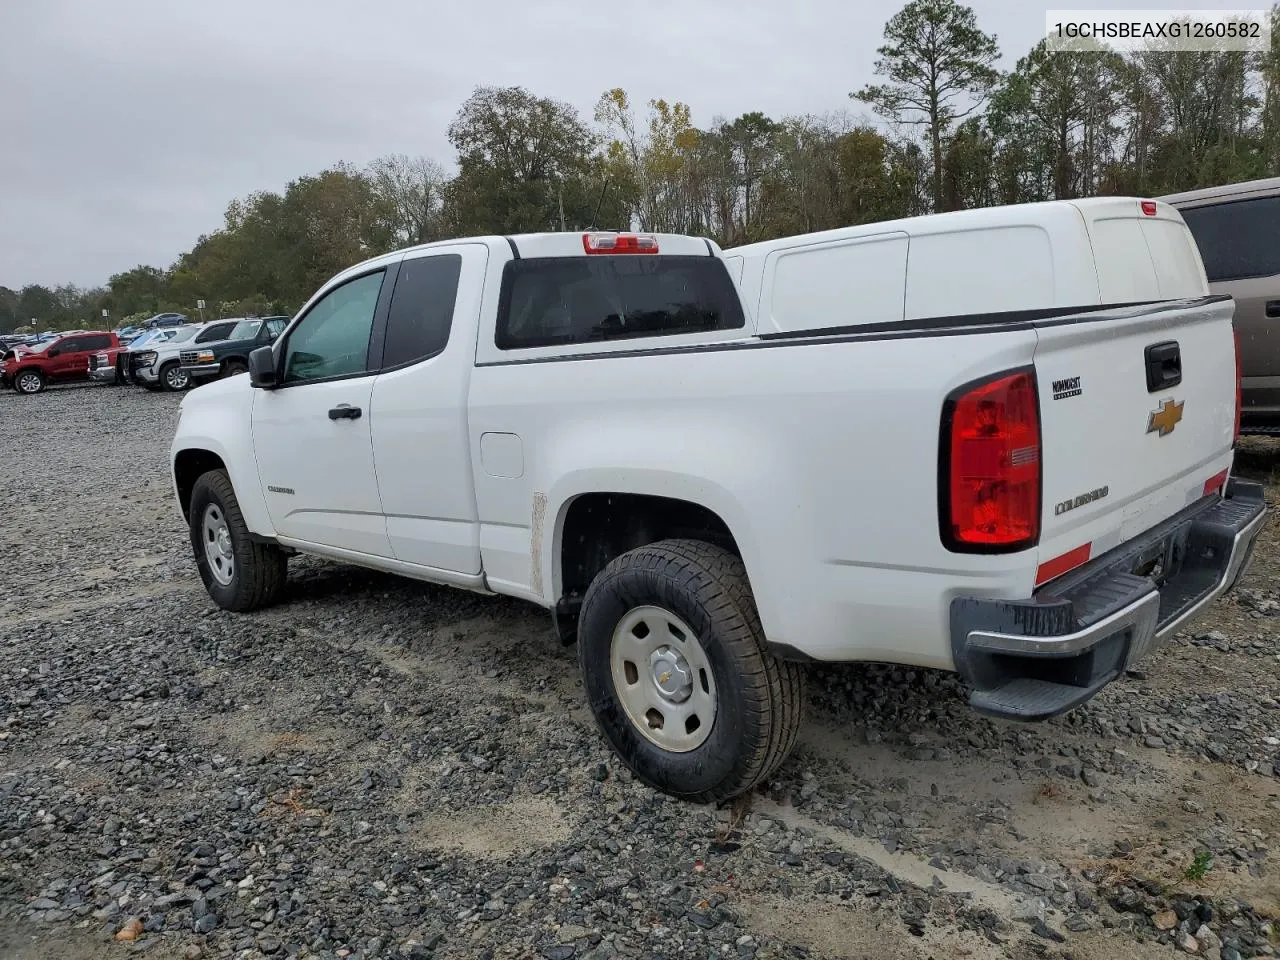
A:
(989, 496)
(1149, 207)
(619, 243)
(1214, 483)
(1060, 565)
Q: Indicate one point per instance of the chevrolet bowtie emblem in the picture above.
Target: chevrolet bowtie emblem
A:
(664, 678)
(1163, 421)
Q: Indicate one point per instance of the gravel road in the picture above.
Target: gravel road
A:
(383, 769)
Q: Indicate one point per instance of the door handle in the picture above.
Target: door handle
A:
(344, 411)
(1273, 308)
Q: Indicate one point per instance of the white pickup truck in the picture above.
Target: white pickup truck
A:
(1034, 495)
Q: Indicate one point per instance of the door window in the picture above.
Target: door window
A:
(218, 332)
(70, 345)
(332, 340)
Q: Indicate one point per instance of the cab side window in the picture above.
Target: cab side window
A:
(421, 310)
(1238, 239)
(218, 332)
(332, 340)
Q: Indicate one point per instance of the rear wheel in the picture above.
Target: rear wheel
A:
(239, 573)
(29, 381)
(233, 367)
(173, 378)
(678, 674)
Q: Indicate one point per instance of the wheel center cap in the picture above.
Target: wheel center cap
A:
(671, 674)
(224, 542)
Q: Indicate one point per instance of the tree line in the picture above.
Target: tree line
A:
(954, 133)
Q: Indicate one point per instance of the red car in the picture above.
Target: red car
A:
(58, 361)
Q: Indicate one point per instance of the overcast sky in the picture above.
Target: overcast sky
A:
(127, 126)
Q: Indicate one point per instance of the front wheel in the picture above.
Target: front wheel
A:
(678, 674)
(239, 573)
(29, 381)
(173, 378)
(233, 367)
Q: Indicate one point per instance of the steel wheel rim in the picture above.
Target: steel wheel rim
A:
(175, 378)
(29, 383)
(662, 679)
(215, 534)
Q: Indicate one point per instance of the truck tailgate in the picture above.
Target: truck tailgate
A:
(1137, 411)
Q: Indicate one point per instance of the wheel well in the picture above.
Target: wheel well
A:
(188, 467)
(601, 526)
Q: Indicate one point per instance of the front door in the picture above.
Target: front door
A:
(311, 434)
(65, 357)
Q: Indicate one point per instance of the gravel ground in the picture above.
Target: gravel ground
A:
(383, 769)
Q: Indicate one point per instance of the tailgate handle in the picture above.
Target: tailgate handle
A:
(1164, 366)
(1273, 308)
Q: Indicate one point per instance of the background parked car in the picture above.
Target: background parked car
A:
(119, 360)
(1237, 228)
(165, 320)
(158, 365)
(102, 367)
(63, 359)
(226, 358)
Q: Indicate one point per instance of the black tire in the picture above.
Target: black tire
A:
(29, 381)
(172, 371)
(233, 367)
(759, 698)
(259, 570)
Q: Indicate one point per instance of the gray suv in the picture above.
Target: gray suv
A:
(1237, 228)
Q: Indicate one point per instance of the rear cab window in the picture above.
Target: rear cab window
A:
(589, 303)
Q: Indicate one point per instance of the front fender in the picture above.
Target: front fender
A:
(224, 429)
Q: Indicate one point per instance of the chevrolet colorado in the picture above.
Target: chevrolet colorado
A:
(593, 422)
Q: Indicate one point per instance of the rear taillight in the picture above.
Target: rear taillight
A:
(1149, 207)
(1239, 379)
(989, 499)
(619, 243)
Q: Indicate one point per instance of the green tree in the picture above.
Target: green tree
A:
(939, 68)
(139, 290)
(10, 318)
(517, 154)
(1056, 111)
(412, 189)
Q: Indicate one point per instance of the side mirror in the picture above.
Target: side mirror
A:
(53, 352)
(262, 368)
